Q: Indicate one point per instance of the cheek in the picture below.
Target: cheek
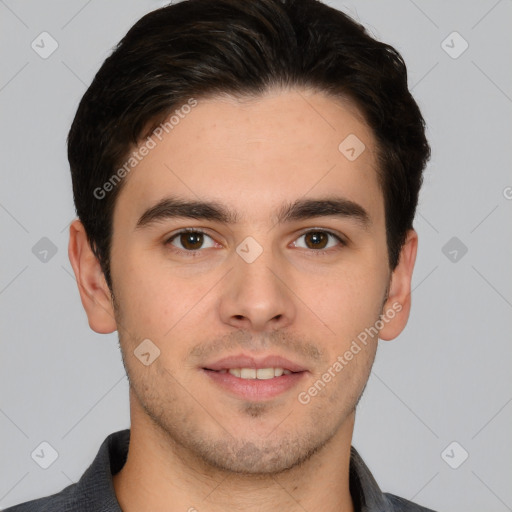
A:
(157, 300)
(145, 295)
(348, 299)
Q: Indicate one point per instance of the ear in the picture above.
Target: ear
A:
(398, 304)
(94, 292)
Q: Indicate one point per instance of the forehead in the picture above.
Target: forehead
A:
(254, 154)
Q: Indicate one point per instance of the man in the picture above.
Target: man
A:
(246, 176)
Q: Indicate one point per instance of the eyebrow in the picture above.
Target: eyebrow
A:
(302, 209)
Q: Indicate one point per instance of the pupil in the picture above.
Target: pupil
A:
(317, 238)
(192, 239)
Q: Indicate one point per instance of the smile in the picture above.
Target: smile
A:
(253, 373)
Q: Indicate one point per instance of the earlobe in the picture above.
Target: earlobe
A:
(94, 292)
(398, 304)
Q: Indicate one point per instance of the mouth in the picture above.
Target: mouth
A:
(255, 379)
(254, 373)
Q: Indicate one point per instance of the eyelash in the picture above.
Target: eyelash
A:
(194, 253)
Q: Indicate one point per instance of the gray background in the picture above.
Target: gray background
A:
(446, 378)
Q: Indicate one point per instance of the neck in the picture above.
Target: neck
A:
(159, 474)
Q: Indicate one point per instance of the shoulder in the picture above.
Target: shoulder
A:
(63, 501)
(94, 490)
(398, 504)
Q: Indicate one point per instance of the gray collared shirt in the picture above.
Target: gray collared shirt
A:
(95, 490)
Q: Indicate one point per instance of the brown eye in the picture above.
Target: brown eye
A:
(191, 240)
(316, 239)
(319, 240)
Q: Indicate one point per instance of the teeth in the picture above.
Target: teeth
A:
(247, 373)
(260, 373)
(265, 373)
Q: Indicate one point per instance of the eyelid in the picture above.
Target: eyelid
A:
(341, 238)
(171, 238)
(318, 252)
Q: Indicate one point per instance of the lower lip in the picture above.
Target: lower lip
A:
(255, 389)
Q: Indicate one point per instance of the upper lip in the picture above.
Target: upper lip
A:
(247, 361)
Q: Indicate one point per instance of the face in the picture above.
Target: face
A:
(282, 267)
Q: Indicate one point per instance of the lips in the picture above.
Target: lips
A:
(250, 378)
(245, 361)
(260, 373)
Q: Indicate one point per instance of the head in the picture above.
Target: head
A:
(285, 139)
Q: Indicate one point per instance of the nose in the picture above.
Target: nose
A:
(258, 296)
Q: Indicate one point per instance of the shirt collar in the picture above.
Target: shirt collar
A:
(364, 490)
